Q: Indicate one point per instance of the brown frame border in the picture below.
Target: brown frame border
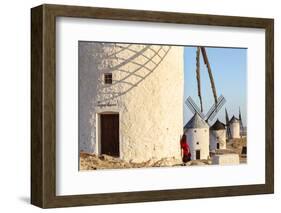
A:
(43, 105)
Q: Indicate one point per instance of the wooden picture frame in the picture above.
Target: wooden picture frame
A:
(43, 105)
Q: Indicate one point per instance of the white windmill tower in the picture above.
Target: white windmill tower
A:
(197, 135)
(234, 125)
(217, 136)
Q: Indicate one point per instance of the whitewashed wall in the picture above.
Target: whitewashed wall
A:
(226, 159)
(235, 130)
(217, 136)
(198, 135)
(147, 95)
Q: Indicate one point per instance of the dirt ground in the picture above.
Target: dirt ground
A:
(94, 162)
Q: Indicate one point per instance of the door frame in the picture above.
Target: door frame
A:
(98, 131)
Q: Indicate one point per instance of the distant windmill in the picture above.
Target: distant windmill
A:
(219, 102)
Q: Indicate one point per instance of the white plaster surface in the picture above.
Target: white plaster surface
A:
(235, 129)
(147, 93)
(217, 136)
(226, 159)
(198, 139)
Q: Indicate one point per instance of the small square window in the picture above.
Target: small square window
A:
(108, 78)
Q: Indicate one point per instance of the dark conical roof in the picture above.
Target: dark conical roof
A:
(233, 119)
(196, 122)
(217, 125)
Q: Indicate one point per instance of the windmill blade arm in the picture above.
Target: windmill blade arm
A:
(220, 105)
(215, 110)
(193, 107)
(226, 117)
(190, 107)
(196, 107)
(206, 61)
(198, 77)
(213, 107)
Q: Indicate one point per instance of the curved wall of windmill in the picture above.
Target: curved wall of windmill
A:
(217, 136)
(198, 139)
(235, 129)
(148, 95)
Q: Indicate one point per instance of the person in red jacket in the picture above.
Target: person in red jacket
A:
(185, 151)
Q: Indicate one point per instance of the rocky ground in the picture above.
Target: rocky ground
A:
(93, 162)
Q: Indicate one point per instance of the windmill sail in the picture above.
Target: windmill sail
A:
(228, 132)
(212, 111)
(193, 107)
(215, 108)
(241, 124)
(206, 61)
(240, 118)
(198, 77)
(226, 117)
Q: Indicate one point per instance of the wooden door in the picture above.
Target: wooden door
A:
(110, 134)
(197, 154)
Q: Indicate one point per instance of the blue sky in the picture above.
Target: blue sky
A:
(229, 68)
